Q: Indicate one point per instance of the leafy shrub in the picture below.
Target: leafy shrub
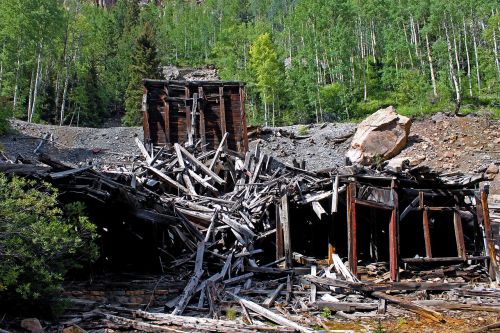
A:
(4, 116)
(39, 242)
(302, 130)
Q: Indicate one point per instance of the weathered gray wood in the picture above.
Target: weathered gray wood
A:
(335, 195)
(168, 179)
(143, 150)
(193, 282)
(218, 151)
(270, 315)
(313, 286)
(287, 239)
(202, 166)
(273, 296)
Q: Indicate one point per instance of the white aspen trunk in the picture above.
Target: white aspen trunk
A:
(37, 84)
(415, 39)
(455, 51)
(452, 72)
(14, 103)
(374, 41)
(409, 51)
(468, 58)
(265, 111)
(30, 99)
(274, 115)
(63, 102)
(495, 50)
(477, 61)
(365, 93)
(431, 66)
(1, 75)
(353, 71)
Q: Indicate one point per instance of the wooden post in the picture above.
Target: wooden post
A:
(459, 234)
(280, 252)
(243, 118)
(393, 235)
(188, 117)
(351, 228)
(286, 231)
(145, 115)
(425, 225)
(222, 112)
(488, 234)
(201, 106)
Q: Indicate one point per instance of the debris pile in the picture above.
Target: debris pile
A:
(225, 224)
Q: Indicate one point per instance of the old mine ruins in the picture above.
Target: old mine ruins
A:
(205, 232)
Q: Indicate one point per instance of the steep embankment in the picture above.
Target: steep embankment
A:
(446, 144)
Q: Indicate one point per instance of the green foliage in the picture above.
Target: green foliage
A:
(231, 314)
(145, 64)
(326, 313)
(302, 130)
(5, 113)
(304, 60)
(379, 328)
(39, 242)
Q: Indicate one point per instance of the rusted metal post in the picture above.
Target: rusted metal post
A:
(393, 235)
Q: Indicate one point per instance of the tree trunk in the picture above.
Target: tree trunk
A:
(455, 50)
(468, 58)
(63, 102)
(265, 111)
(431, 66)
(30, 99)
(477, 61)
(452, 72)
(14, 103)
(495, 50)
(37, 83)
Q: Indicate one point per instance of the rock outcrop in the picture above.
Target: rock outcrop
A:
(380, 136)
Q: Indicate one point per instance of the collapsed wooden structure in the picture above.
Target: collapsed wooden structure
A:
(185, 111)
(248, 230)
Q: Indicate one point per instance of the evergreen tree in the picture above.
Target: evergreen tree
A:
(145, 65)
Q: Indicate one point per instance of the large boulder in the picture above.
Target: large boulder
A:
(380, 136)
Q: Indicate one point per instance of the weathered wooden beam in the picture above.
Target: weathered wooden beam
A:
(271, 315)
(287, 238)
(190, 288)
(421, 310)
(202, 166)
(459, 234)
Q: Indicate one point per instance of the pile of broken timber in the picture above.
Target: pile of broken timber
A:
(225, 208)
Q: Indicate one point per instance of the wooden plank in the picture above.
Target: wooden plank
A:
(219, 151)
(459, 234)
(201, 108)
(335, 195)
(287, 238)
(185, 176)
(280, 250)
(270, 315)
(188, 116)
(143, 150)
(352, 254)
(243, 119)
(202, 166)
(168, 179)
(488, 235)
(393, 235)
(313, 286)
(193, 281)
(421, 310)
(427, 234)
(318, 209)
(273, 296)
(222, 112)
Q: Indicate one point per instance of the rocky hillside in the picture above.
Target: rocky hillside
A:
(446, 144)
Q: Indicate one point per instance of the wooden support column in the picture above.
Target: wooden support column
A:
(351, 228)
(222, 112)
(488, 235)
(459, 233)
(145, 115)
(287, 239)
(333, 212)
(201, 106)
(393, 235)
(188, 117)
(425, 224)
(166, 116)
(280, 252)
(243, 118)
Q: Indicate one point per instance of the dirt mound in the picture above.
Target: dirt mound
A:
(72, 145)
